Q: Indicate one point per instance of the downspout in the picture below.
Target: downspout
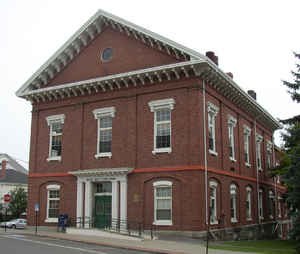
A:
(257, 182)
(205, 154)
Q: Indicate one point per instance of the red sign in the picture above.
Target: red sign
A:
(6, 198)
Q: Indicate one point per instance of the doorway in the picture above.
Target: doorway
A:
(102, 211)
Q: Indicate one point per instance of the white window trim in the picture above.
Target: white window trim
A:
(215, 186)
(212, 111)
(233, 192)
(51, 187)
(98, 113)
(248, 198)
(50, 120)
(154, 106)
(162, 222)
(272, 198)
(231, 125)
(247, 133)
(259, 140)
(279, 207)
(269, 154)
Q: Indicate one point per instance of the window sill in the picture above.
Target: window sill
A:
(261, 218)
(56, 158)
(233, 220)
(249, 219)
(214, 153)
(232, 159)
(163, 223)
(248, 165)
(103, 155)
(51, 220)
(215, 222)
(260, 169)
(162, 150)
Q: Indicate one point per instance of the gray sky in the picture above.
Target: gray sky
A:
(253, 39)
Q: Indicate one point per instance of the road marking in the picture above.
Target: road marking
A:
(54, 245)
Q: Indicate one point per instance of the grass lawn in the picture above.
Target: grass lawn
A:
(261, 246)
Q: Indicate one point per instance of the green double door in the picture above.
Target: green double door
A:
(102, 211)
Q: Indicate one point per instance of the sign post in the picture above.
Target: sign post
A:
(6, 202)
(36, 209)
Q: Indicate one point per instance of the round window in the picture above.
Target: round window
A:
(107, 54)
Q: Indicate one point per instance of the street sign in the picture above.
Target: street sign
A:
(36, 207)
(6, 198)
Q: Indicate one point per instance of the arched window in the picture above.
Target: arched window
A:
(271, 204)
(162, 203)
(260, 204)
(233, 201)
(248, 203)
(53, 201)
(213, 202)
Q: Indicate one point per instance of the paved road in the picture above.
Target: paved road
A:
(26, 244)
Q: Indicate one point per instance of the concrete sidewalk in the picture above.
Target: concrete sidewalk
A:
(175, 246)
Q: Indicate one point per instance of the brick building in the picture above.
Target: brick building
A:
(128, 124)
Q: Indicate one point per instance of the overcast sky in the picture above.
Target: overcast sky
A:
(254, 40)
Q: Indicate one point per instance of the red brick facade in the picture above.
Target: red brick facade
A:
(133, 140)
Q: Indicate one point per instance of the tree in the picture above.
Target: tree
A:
(18, 202)
(289, 167)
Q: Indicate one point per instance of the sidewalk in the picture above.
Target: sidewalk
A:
(175, 246)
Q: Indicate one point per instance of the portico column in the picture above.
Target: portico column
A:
(123, 200)
(115, 200)
(79, 201)
(88, 204)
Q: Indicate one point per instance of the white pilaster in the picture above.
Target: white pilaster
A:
(79, 200)
(123, 200)
(88, 203)
(115, 200)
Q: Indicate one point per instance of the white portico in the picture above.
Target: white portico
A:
(102, 192)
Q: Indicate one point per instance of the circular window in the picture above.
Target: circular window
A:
(107, 54)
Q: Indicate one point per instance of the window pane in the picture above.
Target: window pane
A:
(105, 135)
(163, 204)
(106, 122)
(54, 194)
(163, 192)
(56, 146)
(57, 128)
(163, 115)
(162, 141)
(163, 129)
(103, 187)
(105, 147)
(163, 214)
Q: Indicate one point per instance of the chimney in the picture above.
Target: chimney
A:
(211, 55)
(252, 93)
(229, 74)
(3, 172)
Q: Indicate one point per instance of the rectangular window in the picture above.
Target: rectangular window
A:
(55, 141)
(162, 124)
(104, 117)
(105, 134)
(271, 204)
(258, 151)
(279, 207)
(269, 154)
(163, 203)
(163, 128)
(247, 133)
(231, 124)
(212, 111)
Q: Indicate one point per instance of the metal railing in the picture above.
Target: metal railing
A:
(126, 227)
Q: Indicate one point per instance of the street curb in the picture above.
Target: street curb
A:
(101, 243)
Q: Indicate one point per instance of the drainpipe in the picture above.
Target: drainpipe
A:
(205, 154)
(257, 182)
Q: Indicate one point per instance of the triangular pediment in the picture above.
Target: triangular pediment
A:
(89, 34)
(125, 54)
